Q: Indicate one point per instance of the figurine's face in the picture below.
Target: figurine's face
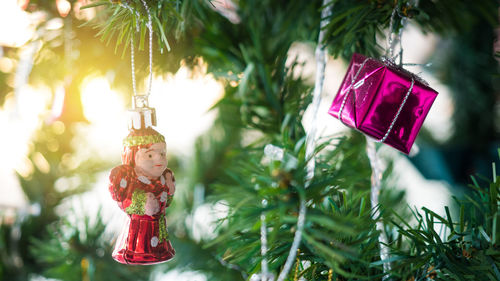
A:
(152, 161)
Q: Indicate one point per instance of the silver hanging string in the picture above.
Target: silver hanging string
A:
(150, 28)
(141, 100)
(321, 57)
(141, 115)
(132, 63)
(132, 58)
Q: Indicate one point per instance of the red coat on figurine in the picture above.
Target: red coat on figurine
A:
(143, 187)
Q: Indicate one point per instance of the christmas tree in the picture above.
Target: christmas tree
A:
(293, 204)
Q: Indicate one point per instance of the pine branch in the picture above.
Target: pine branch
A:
(355, 26)
(81, 251)
(470, 247)
(123, 18)
(331, 220)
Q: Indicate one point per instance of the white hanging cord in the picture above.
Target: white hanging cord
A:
(391, 39)
(374, 196)
(321, 57)
(263, 246)
(400, 33)
(395, 38)
(391, 43)
(296, 241)
(372, 151)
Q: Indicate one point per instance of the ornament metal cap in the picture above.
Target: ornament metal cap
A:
(141, 116)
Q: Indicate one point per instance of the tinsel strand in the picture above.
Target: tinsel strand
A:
(321, 58)
(296, 241)
(372, 152)
(395, 38)
(374, 199)
(263, 245)
(390, 40)
(310, 139)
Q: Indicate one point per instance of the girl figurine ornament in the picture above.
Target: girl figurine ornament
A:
(143, 187)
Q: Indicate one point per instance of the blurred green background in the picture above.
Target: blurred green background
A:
(229, 78)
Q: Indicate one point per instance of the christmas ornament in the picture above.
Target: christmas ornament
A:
(143, 186)
(384, 101)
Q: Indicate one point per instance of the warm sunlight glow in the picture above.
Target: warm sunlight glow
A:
(16, 24)
(105, 109)
(21, 114)
(99, 101)
(182, 102)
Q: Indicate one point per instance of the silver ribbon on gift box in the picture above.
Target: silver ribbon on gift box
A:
(390, 64)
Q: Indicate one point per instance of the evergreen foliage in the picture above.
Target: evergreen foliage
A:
(52, 160)
(466, 248)
(79, 252)
(265, 98)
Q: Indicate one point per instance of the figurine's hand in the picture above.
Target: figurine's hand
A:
(170, 183)
(152, 206)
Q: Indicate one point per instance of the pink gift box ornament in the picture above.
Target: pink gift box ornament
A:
(383, 101)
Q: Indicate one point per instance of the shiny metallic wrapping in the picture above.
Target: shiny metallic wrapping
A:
(383, 101)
